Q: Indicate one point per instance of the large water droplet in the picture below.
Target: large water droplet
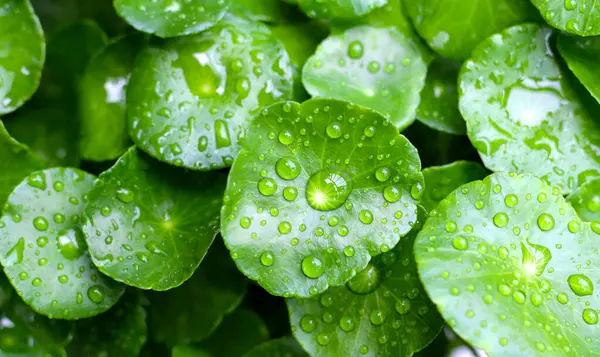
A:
(355, 49)
(581, 285)
(267, 186)
(125, 195)
(308, 323)
(267, 259)
(71, 243)
(590, 316)
(366, 281)
(287, 168)
(535, 258)
(40, 223)
(377, 317)
(312, 267)
(328, 189)
(96, 293)
(545, 222)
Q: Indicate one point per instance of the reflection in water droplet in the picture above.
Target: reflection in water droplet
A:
(581, 285)
(125, 195)
(308, 323)
(328, 189)
(312, 267)
(267, 186)
(590, 316)
(96, 293)
(267, 259)
(71, 243)
(287, 168)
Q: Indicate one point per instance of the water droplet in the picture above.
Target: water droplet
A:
(366, 281)
(500, 219)
(63, 279)
(124, 195)
(460, 243)
(40, 223)
(403, 306)
(545, 222)
(245, 222)
(284, 227)
(392, 193)
(355, 49)
(416, 191)
(328, 189)
(581, 285)
(349, 251)
(383, 174)
(286, 137)
(347, 323)
(590, 316)
(369, 131)
(312, 267)
(377, 317)
(267, 259)
(365, 216)
(37, 180)
(36, 282)
(519, 297)
(287, 168)
(511, 200)
(71, 243)
(323, 339)
(537, 299)
(267, 186)
(96, 293)
(504, 289)
(334, 130)
(308, 323)
(290, 193)
(562, 298)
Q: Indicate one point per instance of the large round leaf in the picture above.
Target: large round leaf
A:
(382, 311)
(170, 18)
(318, 189)
(581, 55)
(190, 98)
(16, 162)
(281, 347)
(329, 9)
(22, 53)
(380, 68)
(440, 181)
(192, 311)
(438, 108)
(581, 17)
(453, 28)
(586, 200)
(104, 133)
(43, 249)
(513, 269)
(149, 225)
(121, 331)
(522, 114)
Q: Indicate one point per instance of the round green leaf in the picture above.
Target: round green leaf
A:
(121, 331)
(317, 190)
(522, 114)
(16, 163)
(261, 10)
(586, 201)
(438, 108)
(329, 9)
(148, 224)
(365, 65)
(190, 98)
(513, 269)
(170, 18)
(383, 311)
(581, 55)
(104, 133)
(453, 28)
(192, 311)
(440, 181)
(581, 17)
(281, 347)
(22, 53)
(44, 252)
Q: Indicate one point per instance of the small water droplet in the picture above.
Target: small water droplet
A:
(267, 186)
(267, 259)
(287, 168)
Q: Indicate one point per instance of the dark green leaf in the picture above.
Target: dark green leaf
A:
(318, 189)
(191, 312)
(282, 347)
(22, 53)
(581, 17)
(121, 331)
(170, 18)
(453, 28)
(581, 55)
(512, 268)
(523, 115)
(149, 225)
(438, 108)
(586, 200)
(189, 351)
(364, 65)
(190, 99)
(330, 9)
(43, 249)
(104, 133)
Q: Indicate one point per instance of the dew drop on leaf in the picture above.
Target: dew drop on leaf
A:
(581, 285)
(312, 267)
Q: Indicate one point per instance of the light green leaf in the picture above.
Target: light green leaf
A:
(22, 53)
(330, 9)
(364, 65)
(281, 347)
(382, 311)
(438, 108)
(512, 268)
(121, 331)
(104, 133)
(453, 28)
(586, 200)
(149, 225)
(581, 17)
(581, 55)
(190, 99)
(523, 115)
(16, 163)
(170, 18)
(261, 10)
(318, 189)
(43, 250)
(192, 311)
(440, 181)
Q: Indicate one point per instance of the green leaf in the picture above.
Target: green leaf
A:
(364, 65)
(189, 351)
(16, 163)
(453, 28)
(149, 225)
(281, 347)
(22, 53)
(438, 108)
(586, 200)
(43, 249)
(330, 9)
(511, 267)
(318, 189)
(190, 99)
(581, 17)
(104, 133)
(523, 115)
(383, 310)
(121, 331)
(170, 18)
(191, 312)
(440, 181)
(261, 10)
(581, 55)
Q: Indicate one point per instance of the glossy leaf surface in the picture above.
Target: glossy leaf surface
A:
(580, 17)
(581, 55)
(318, 189)
(586, 201)
(328, 9)
(281, 347)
